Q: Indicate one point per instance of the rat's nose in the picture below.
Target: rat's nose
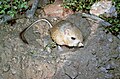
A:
(80, 44)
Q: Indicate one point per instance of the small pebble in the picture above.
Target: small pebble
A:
(68, 63)
(6, 67)
(108, 76)
(108, 66)
(103, 69)
(13, 71)
(118, 36)
(110, 39)
(15, 59)
(115, 56)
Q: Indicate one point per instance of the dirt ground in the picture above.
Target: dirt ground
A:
(98, 59)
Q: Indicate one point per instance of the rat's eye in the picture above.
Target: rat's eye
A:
(73, 38)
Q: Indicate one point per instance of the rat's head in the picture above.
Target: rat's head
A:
(73, 36)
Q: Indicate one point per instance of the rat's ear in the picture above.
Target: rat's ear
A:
(67, 32)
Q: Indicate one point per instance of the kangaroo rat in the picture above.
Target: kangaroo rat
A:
(63, 33)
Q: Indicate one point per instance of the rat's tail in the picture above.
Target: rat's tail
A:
(27, 28)
(23, 37)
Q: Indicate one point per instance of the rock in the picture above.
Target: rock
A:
(5, 18)
(15, 59)
(99, 59)
(13, 71)
(119, 48)
(103, 69)
(118, 36)
(109, 37)
(103, 7)
(68, 63)
(113, 64)
(108, 66)
(20, 20)
(108, 76)
(56, 10)
(115, 56)
(6, 67)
